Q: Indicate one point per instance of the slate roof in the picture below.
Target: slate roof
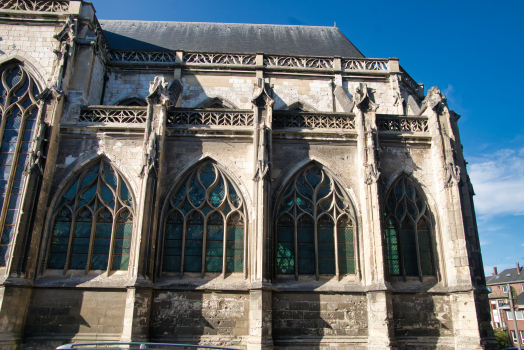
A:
(513, 277)
(228, 38)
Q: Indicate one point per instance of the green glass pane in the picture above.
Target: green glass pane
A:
(194, 241)
(196, 193)
(313, 176)
(217, 194)
(208, 175)
(326, 246)
(214, 243)
(60, 240)
(306, 246)
(285, 246)
(122, 241)
(235, 245)
(102, 241)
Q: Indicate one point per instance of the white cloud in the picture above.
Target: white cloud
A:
(498, 180)
(454, 100)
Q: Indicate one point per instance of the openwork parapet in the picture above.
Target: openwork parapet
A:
(313, 120)
(142, 57)
(110, 114)
(35, 5)
(413, 124)
(207, 117)
(372, 65)
(298, 62)
(408, 81)
(210, 58)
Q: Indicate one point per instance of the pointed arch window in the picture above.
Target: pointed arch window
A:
(408, 232)
(19, 109)
(205, 225)
(93, 222)
(315, 227)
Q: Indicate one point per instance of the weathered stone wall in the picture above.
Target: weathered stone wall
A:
(34, 43)
(422, 315)
(236, 155)
(317, 93)
(198, 88)
(97, 81)
(303, 315)
(200, 317)
(123, 85)
(58, 313)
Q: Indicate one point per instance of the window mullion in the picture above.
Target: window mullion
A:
(245, 252)
(295, 236)
(418, 252)
(224, 248)
(70, 243)
(335, 234)
(204, 248)
(91, 239)
(183, 254)
(400, 246)
(112, 242)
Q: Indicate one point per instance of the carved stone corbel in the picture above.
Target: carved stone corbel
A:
(372, 174)
(68, 31)
(158, 93)
(432, 101)
(150, 157)
(262, 166)
(36, 156)
(363, 98)
(452, 174)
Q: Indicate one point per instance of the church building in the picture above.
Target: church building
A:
(240, 185)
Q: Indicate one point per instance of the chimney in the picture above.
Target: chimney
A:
(518, 268)
(495, 271)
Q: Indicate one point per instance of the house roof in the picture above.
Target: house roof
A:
(228, 38)
(506, 276)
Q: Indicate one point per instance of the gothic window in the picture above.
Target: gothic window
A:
(93, 222)
(315, 227)
(19, 111)
(217, 103)
(205, 225)
(133, 102)
(408, 231)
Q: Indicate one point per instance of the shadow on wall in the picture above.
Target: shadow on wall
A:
(62, 315)
(422, 320)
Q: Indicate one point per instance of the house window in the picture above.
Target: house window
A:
(509, 315)
(505, 289)
(518, 315)
(522, 336)
(18, 111)
(522, 287)
(408, 231)
(205, 225)
(93, 222)
(514, 337)
(315, 226)
(490, 290)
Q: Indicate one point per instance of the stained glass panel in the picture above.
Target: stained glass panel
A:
(17, 87)
(346, 248)
(102, 241)
(207, 189)
(235, 244)
(173, 242)
(214, 243)
(122, 245)
(326, 245)
(81, 239)
(194, 241)
(285, 245)
(393, 252)
(306, 245)
(424, 241)
(60, 240)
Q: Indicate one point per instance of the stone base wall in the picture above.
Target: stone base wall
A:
(317, 320)
(75, 315)
(220, 319)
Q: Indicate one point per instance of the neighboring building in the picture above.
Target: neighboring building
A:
(255, 186)
(501, 315)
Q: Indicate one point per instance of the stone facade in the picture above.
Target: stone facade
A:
(116, 259)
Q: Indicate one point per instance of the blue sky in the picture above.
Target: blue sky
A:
(472, 50)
